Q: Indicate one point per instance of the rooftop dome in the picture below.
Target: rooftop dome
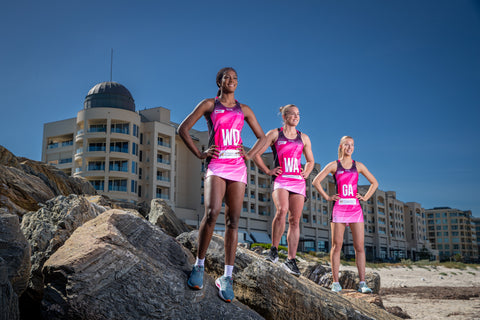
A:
(109, 95)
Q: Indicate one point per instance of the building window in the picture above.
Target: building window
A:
(133, 187)
(134, 167)
(120, 128)
(98, 184)
(119, 147)
(134, 149)
(100, 146)
(66, 160)
(162, 194)
(135, 130)
(119, 166)
(96, 166)
(98, 128)
(117, 185)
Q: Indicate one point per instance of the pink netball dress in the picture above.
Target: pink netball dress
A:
(288, 154)
(347, 209)
(224, 128)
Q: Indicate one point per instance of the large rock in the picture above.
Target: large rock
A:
(25, 184)
(21, 192)
(8, 297)
(7, 158)
(275, 294)
(47, 230)
(104, 201)
(322, 275)
(120, 266)
(15, 250)
(163, 216)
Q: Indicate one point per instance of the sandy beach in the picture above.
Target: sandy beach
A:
(430, 292)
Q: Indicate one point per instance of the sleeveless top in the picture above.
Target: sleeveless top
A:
(346, 181)
(224, 129)
(287, 154)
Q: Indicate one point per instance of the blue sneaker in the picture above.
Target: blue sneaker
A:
(225, 288)
(363, 288)
(195, 281)
(336, 287)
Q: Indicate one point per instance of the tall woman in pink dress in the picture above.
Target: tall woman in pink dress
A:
(347, 210)
(226, 174)
(288, 144)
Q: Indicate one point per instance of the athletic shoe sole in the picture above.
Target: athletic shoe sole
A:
(366, 292)
(290, 271)
(270, 259)
(194, 287)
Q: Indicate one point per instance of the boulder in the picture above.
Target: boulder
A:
(7, 158)
(15, 251)
(120, 266)
(21, 192)
(102, 200)
(275, 294)
(26, 184)
(163, 216)
(8, 297)
(48, 228)
(58, 181)
(322, 275)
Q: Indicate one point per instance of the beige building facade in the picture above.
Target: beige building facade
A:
(452, 232)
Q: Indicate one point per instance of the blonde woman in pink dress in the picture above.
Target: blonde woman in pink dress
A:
(288, 144)
(347, 210)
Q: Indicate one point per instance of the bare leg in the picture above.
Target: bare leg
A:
(280, 199)
(233, 208)
(296, 202)
(337, 241)
(214, 192)
(358, 234)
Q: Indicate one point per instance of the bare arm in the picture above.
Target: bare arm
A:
(373, 182)
(257, 130)
(307, 152)
(330, 168)
(200, 110)
(271, 137)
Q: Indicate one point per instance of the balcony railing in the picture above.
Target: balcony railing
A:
(98, 129)
(120, 130)
(164, 161)
(118, 149)
(118, 188)
(96, 168)
(164, 144)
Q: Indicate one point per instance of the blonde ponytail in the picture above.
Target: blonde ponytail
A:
(285, 108)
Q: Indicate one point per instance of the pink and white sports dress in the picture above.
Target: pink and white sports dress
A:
(288, 155)
(225, 128)
(347, 209)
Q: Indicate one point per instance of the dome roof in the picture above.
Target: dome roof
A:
(109, 95)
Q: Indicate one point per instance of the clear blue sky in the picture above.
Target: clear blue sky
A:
(401, 77)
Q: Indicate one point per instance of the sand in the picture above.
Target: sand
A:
(431, 292)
